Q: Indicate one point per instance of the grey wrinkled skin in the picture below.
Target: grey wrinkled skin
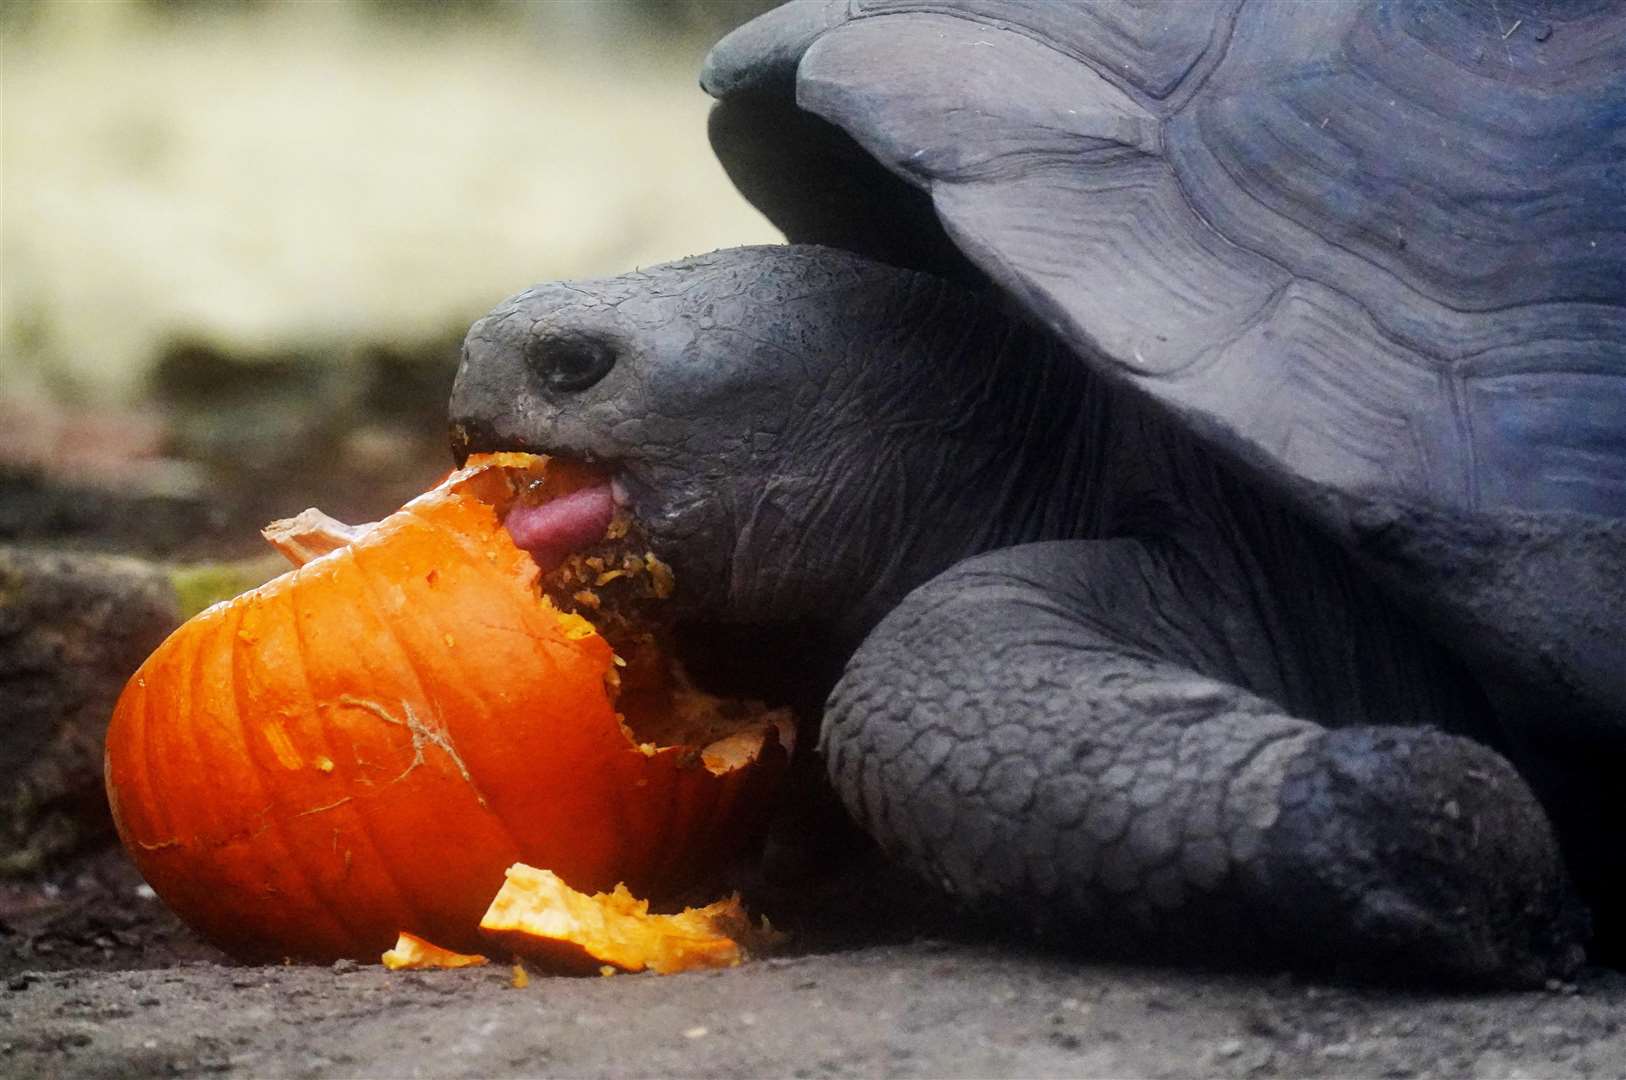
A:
(1129, 795)
(1101, 683)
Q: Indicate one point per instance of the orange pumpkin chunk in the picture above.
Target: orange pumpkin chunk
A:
(413, 953)
(538, 916)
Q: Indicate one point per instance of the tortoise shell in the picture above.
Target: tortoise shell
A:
(1375, 247)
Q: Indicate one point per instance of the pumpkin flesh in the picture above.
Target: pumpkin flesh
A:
(364, 744)
(539, 917)
(413, 953)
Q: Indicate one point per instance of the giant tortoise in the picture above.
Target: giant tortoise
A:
(1200, 427)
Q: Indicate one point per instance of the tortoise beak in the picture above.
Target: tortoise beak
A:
(465, 440)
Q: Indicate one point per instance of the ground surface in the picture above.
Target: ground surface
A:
(97, 980)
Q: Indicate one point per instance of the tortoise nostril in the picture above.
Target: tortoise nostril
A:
(570, 362)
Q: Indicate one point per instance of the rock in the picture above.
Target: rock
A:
(73, 627)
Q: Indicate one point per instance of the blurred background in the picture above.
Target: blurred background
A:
(240, 241)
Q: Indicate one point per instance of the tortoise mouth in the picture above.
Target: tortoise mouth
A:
(564, 508)
(551, 530)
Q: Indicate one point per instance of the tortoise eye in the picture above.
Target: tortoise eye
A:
(569, 364)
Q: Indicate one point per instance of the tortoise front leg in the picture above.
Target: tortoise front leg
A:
(1042, 732)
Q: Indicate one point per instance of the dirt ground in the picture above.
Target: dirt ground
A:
(96, 979)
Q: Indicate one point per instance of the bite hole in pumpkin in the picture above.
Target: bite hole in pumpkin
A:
(615, 587)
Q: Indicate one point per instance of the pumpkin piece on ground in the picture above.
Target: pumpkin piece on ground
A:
(538, 916)
(413, 953)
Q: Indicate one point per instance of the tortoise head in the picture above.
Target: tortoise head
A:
(800, 431)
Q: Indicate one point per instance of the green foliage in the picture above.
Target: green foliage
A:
(202, 585)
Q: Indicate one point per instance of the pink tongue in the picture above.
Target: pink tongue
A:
(554, 529)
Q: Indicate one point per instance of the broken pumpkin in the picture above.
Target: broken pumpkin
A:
(366, 743)
(413, 953)
(539, 917)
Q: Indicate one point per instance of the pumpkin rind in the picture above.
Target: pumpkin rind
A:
(364, 744)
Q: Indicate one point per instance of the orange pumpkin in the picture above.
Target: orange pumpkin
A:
(364, 744)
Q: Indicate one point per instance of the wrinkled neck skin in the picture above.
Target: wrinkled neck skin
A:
(806, 435)
(931, 428)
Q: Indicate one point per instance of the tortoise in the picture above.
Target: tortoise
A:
(1200, 429)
